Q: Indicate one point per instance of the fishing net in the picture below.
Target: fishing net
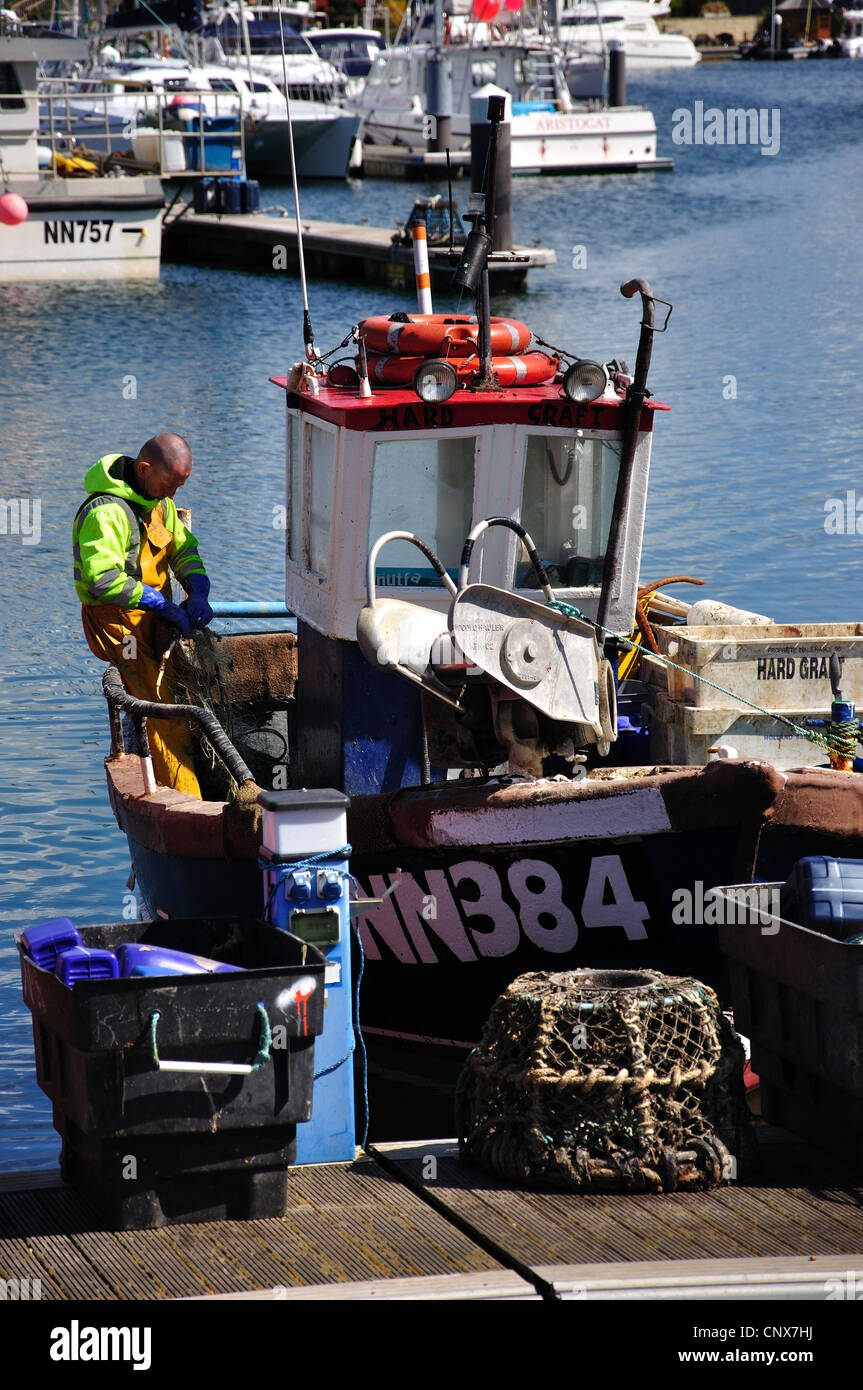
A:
(247, 681)
(606, 1080)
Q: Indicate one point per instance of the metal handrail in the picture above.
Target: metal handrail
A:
(119, 699)
(231, 103)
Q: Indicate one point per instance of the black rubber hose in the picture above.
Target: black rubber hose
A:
(118, 697)
(516, 526)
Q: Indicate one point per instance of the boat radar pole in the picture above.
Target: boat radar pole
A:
(472, 273)
(636, 395)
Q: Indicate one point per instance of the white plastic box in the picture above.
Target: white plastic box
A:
(683, 733)
(168, 152)
(785, 666)
(297, 824)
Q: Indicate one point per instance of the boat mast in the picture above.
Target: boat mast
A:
(244, 26)
(439, 87)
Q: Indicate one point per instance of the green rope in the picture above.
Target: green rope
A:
(265, 1039)
(843, 741)
(151, 1038)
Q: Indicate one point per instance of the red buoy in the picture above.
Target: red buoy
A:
(13, 209)
(485, 10)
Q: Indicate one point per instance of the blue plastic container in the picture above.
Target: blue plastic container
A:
(137, 959)
(203, 196)
(219, 138)
(44, 942)
(229, 195)
(825, 895)
(86, 963)
(250, 195)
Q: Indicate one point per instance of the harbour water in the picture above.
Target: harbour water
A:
(759, 254)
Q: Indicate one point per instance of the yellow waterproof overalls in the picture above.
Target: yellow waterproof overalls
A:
(129, 638)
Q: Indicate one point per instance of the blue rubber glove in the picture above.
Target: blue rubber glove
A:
(196, 605)
(154, 602)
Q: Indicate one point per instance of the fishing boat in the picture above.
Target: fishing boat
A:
(61, 217)
(464, 515)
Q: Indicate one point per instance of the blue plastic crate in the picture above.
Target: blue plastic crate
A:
(825, 895)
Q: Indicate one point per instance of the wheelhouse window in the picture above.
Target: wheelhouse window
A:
(425, 487)
(567, 501)
(295, 478)
(320, 462)
(483, 70)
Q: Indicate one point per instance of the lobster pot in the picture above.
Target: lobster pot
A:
(606, 1080)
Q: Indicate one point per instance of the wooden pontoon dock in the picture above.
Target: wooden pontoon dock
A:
(411, 1221)
(333, 250)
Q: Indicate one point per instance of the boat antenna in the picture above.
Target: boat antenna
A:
(308, 333)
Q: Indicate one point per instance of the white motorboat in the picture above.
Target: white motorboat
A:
(54, 227)
(851, 42)
(350, 51)
(590, 25)
(120, 103)
(263, 31)
(550, 131)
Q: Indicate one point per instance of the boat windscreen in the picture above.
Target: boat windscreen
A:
(567, 502)
(427, 490)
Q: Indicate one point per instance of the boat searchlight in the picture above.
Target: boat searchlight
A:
(435, 381)
(584, 381)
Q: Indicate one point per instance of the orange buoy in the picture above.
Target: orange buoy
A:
(13, 209)
(526, 369)
(441, 335)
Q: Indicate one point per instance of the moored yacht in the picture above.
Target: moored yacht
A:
(589, 26)
(551, 132)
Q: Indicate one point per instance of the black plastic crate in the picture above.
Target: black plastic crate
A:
(161, 1180)
(95, 1043)
(798, 996)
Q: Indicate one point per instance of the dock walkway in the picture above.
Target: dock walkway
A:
(332, 250)
(411, 1221)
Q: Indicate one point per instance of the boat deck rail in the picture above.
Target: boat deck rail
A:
(61, 121)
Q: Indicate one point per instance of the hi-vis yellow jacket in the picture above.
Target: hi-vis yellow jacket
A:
(108, 533)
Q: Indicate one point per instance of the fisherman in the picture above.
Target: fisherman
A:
(127, 539)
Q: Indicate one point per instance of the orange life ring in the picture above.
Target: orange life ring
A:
(441, 335)
(526, 369)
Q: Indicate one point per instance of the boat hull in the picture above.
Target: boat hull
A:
(546, 141)
(86, 229)
(502, 878)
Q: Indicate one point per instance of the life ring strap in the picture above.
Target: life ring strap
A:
(524, 369)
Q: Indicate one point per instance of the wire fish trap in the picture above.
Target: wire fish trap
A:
(607, 1081)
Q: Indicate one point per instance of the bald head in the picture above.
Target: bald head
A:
(163, 465)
